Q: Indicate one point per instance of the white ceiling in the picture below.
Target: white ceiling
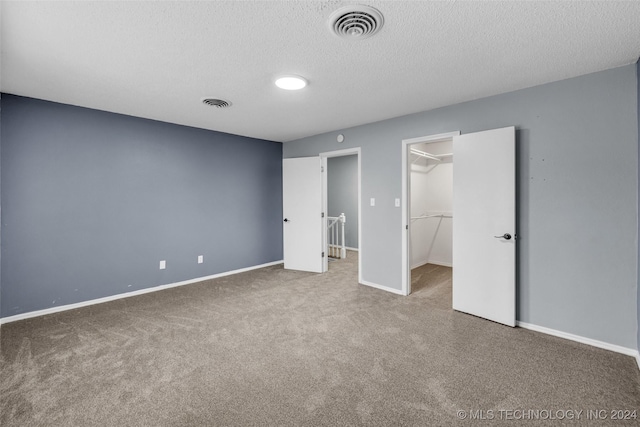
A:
(158, 59)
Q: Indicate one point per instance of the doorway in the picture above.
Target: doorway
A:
(428, 167)
(341, 194)
(431, 224)
(483, 220)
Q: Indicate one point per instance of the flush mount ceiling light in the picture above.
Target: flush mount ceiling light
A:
(356, 22)
(291, 82)
(214, 102)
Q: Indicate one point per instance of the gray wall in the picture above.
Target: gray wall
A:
(342, 194)
(577, 159)
(92, 201)
(638, 239)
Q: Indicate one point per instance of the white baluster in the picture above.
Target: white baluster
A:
(343, 252)
(335, 241)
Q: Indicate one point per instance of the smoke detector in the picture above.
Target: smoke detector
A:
(218, 103)
(356, 22)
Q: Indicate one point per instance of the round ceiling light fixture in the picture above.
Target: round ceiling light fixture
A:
(356, 22)
(291, 82)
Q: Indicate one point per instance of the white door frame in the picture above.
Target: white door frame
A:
(406, 205)
(323, 158)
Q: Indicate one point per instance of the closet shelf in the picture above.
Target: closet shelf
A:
(432, 216)
(436, 157)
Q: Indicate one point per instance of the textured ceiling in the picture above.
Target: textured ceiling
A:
(158, 59)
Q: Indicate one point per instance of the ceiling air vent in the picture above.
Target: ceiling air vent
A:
(356, 22)
(218, 103)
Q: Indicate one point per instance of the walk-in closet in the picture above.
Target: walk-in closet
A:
(431, 191)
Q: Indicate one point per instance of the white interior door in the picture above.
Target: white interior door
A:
(302, 209)
(484, 225)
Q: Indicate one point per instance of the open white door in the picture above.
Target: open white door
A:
(302, 209)
(484, 225)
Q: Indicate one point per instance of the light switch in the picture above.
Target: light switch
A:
(397, 203)
(163, 264)
(373, 201)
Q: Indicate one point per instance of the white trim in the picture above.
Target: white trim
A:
(381, 287)
(419, 264)
(324, 179)
(58, 309)
(431, 138)
(638, 359)
(442, 263)
(339, 153)
(406, 226)
(583, 340)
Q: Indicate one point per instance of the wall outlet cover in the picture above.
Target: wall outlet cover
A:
(163, 264)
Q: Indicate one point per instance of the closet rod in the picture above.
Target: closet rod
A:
(423, 154)
(437, 157)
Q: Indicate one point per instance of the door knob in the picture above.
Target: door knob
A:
(286, 220)
(505, 236)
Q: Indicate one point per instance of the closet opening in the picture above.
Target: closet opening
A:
(479, 201)
(428, 213)
(430, 226)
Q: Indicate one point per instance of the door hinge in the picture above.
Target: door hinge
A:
(322, 215)
(321, 168)
(322, 254)
(406, 227)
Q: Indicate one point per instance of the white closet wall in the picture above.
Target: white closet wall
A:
(431, 194)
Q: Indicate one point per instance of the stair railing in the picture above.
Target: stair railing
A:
(335, 236)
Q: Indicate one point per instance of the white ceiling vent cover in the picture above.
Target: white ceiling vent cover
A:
(356, 22)
(218, 103)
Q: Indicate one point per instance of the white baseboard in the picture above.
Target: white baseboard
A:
(381, 287)
(583, 340)
(58, 309)
(442, 263)
(419, 264)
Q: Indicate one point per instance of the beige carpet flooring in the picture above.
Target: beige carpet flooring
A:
(282, 348)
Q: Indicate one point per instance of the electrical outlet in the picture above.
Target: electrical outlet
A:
(163, 264)
(200, 259)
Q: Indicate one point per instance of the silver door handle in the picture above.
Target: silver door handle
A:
(505, 236)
